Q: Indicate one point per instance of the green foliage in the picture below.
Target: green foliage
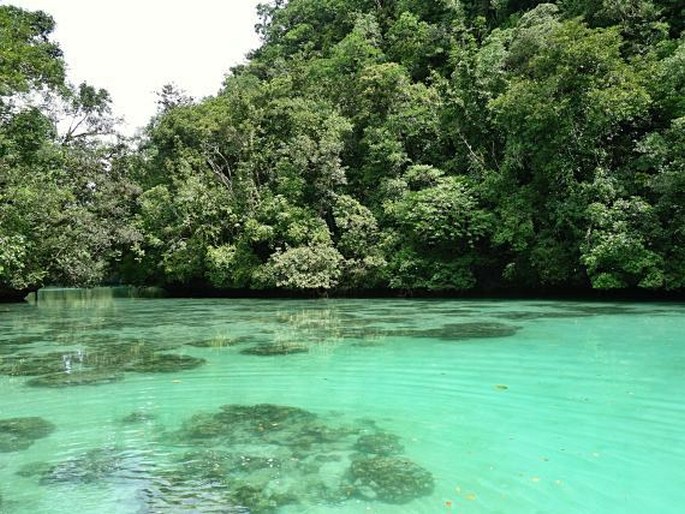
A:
(663, 159)
(315, 267)
(439, 230)
(178, 224)
(431, 146)
(416, 45)
(617, 249)
(65, 200)
(221, 262)
(402, 145)
(28, 59)
(444, 215)
(359, 241)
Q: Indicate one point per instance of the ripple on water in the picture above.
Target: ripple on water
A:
(552, 407)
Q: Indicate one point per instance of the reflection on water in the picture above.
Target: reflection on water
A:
(116, 404)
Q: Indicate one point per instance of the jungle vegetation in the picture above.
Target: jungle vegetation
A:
(403, 146)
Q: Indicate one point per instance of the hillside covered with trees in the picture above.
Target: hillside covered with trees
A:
(403, 146)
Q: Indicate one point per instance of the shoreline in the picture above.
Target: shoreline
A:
(188, 292)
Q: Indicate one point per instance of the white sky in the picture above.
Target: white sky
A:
(133, 47)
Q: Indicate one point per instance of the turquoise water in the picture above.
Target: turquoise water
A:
(510, 407)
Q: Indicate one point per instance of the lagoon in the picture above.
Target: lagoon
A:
(340, 406)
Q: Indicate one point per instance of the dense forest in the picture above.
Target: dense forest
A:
(397, 146)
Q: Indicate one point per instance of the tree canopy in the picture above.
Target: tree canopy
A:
(395, 145)
(62, 202)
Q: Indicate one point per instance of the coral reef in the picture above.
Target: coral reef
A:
(302, 458)
(250, 459)
(241, 423)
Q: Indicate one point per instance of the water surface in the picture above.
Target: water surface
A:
(291, 406)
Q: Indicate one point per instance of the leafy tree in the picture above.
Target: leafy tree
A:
(428, 146)
(63, 201)
(395, 144)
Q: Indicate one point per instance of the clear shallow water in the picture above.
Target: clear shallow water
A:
(510, 407)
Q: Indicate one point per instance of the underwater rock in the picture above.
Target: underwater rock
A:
(222, 465)
(265, 350)
(461, 331)
(222, 342)
(328, 457)
(328, 493)
(207, 464)
(282, 426)
(533, 315)
(261, 457)
(310, 433)
(26, 365)
(186, 496)
(33, 469)
(364, 333)
(204, 426)
(264, 417)
(369, 343)
(252, 463)
(259, 501)
(114, 356)
(75, 378)
(164, 363)
(8, 349)
(390, 479)
(12, 443)
(216, 480)
(20, 433)
(93, 466)
(102, 365)
(301, 447)
(138, 416)
(381, 443)
(110, 357)
(603, 309)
